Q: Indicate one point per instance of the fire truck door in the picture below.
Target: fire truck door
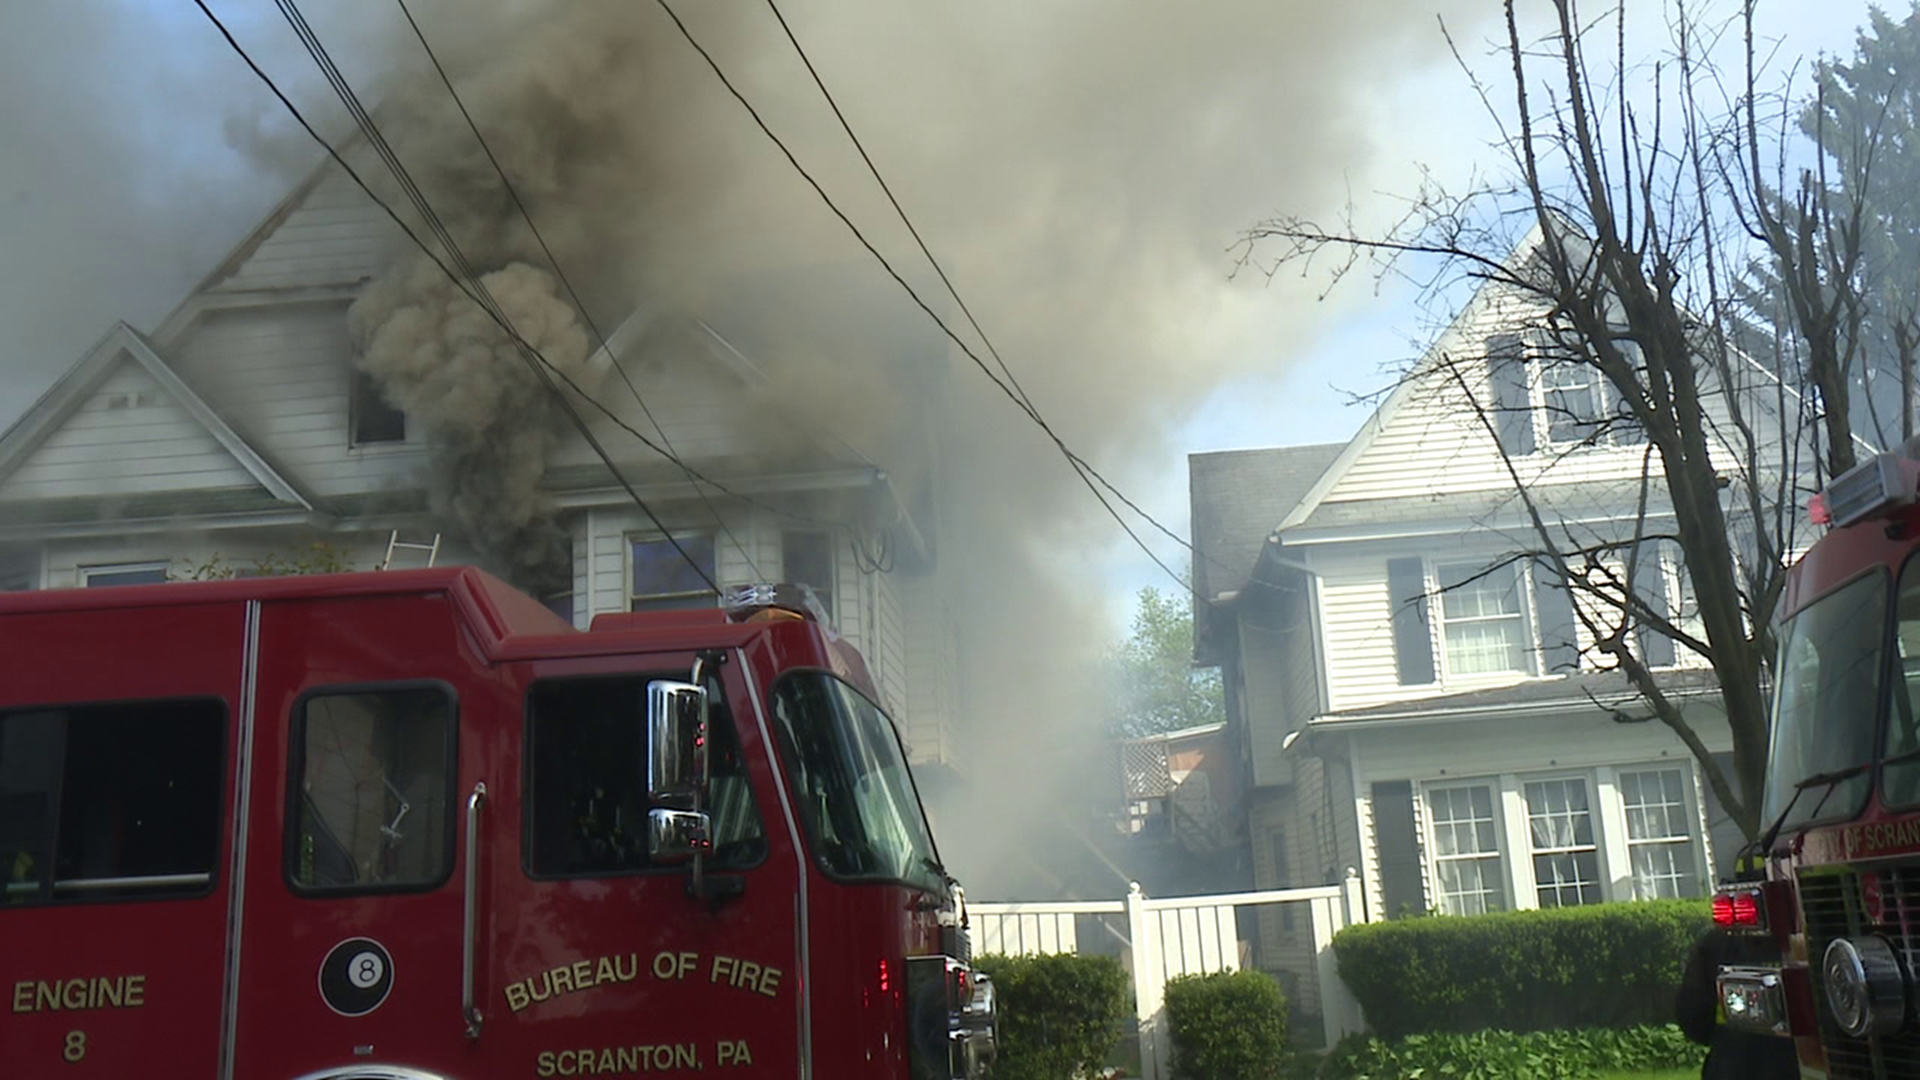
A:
(352, 918)
(116, 752)
(607, 965)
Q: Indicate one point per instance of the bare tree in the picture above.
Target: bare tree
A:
(1647, 203)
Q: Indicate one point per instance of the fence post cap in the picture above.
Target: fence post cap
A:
(1352, 873)
(1133, 888)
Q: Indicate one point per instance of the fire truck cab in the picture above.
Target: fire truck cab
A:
(413, 826)
(1839, 892)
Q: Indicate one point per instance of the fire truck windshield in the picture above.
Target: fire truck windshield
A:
(1826, 712)
(850, 779)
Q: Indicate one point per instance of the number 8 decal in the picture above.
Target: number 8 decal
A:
(356, 976)
(76, 1047)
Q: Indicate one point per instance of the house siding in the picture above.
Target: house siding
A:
(335, 235)
(129, 437)
(280, 377)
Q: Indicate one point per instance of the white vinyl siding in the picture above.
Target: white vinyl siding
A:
(280, 377)
(334, 235)
(129, 437)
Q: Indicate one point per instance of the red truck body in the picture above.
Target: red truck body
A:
(396, 825)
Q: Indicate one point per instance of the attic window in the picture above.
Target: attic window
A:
(371, 418)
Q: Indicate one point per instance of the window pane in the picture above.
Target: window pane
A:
(587, 744)
(1659, 838)
(132, 575)
(1480, 611)
(1466, 849)
(1664, 870)
(140, 789)
(1566, 863)
(807, 559)
(664, 579)
(851, 781)
(375, 804)
(374, 421)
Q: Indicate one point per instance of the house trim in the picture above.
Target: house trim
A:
(65, 398)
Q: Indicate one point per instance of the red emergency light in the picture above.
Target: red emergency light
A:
(1738, 908)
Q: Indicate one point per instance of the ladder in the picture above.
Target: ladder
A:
(394, 543)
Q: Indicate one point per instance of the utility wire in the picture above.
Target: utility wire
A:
(536, 361)
(580, 305)
(1080, 464)
(1014, 395)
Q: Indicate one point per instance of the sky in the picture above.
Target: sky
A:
(147, 153)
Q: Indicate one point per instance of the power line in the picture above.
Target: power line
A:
(513, 192)
(1079, 463)
(1015, 396)
(478, 291)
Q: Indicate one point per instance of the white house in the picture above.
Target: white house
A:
(242, 427)
(1417, 704)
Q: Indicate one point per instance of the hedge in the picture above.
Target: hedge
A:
(1060, 1016)
(1503, 1055)
(1604, 965)
(1229, 1026)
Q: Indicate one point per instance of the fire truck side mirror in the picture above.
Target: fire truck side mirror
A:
(676, 743)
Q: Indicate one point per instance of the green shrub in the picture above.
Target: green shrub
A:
(1230, 1026)
(1502, 1055)
(1060, 1015)
(1605, 965)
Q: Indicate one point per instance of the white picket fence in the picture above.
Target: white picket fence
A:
(1187, 935)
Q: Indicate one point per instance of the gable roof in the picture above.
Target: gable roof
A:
(1401, 393)
(1236, 496)
(123, 343)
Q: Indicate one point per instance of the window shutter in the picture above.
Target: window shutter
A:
(1397, 842)
(1412, 642)
(1650, 585)
(1512, 401)
(1559, 640)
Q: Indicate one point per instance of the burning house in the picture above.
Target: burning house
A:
(330, 388)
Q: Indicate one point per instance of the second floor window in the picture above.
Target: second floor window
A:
(1482, 620)
(1572, 397)
(373, 420)
(667, 577)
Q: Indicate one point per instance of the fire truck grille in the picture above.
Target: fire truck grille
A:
(1835, 905)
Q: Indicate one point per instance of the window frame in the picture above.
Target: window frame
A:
(1690, 812)
(296, 759)
(1589, 431)
(678, 536)
(48, 896)
(1429, 826)
(832, 545)
(360, 384)
(809, 831)
(1596, 844)
(528, 800)
(1526, 646)
(88, 573)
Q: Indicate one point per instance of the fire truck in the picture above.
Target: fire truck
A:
(411, 825)
(1837, 890)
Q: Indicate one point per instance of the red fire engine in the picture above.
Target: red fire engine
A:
(413, 826)
(1840, 891)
